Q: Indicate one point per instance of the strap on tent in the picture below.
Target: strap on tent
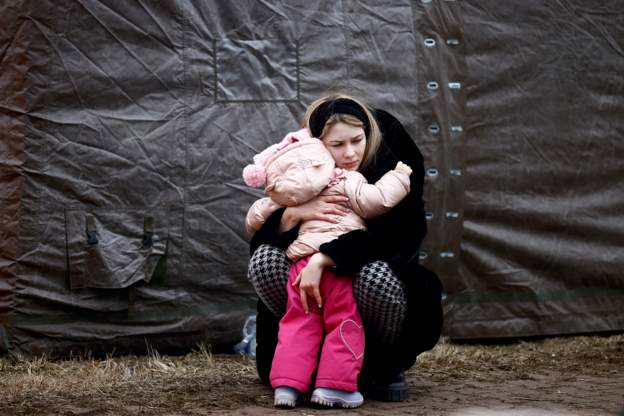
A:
(148, 231)
(91, 231)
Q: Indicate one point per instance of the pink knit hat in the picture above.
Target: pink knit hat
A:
(255, 174)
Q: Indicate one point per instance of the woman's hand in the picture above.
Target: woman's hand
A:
(309, 279)
(319, 208)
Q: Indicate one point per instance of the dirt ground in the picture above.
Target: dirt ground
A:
(556, 376)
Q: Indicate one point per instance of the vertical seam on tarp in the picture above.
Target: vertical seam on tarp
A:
(215, 75)
(298, 71)
(345, 31)
(456, 108)
(185, 111)
(423, 111)
(452, 106)
(441, 44)
(17, 113)
(429, 97)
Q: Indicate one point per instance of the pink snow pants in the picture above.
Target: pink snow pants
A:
(301, 336)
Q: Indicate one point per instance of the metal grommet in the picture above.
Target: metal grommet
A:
(455, 172)
(452, 41)
(428, 216)
(447, 255)
(433, 172)
(432, 85)
(434, 128)
(454, 85)
(422, 255)
(457, 129)
(430, 42)
(452, 215)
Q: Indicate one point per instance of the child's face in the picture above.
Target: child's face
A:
(346, 143)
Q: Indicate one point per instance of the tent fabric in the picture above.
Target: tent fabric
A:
(125, 127)
(14, 41)
(542, 232)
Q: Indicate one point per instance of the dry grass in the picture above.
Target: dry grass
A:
(581, 354)
(200, 382)
(120, 385)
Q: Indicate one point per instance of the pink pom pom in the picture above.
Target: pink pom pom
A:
(254, 175)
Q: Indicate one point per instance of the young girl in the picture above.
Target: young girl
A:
(296, 170)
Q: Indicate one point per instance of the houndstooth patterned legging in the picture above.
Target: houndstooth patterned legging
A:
(378, 292)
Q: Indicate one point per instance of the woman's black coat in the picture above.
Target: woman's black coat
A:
(394, 237)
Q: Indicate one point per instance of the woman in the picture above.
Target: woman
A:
(398, 299)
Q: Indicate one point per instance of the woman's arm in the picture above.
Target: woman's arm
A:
(282, 227)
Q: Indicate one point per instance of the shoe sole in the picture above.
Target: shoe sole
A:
(284, 403)
(331, 401)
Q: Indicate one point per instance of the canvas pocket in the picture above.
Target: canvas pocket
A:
(112, 249)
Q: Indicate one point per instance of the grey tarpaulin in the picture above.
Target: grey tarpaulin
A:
(125, 126)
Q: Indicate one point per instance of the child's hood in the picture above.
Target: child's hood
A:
(294, 170)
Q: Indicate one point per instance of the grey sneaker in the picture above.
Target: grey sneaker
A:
(333, 397)
(286, 397)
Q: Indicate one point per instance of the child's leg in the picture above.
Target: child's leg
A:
(299, 339)
(343, 349)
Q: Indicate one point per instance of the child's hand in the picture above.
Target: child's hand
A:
(403, 168)
(309, 279)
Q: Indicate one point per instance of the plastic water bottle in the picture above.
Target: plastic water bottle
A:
(247, 346)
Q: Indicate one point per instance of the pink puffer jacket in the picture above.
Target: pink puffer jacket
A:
(365, 201)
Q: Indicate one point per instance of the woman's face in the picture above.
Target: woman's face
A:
(346, 143)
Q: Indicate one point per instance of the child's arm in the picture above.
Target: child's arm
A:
(258, 214)
(370, 200)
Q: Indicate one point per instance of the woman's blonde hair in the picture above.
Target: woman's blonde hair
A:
(373, 139)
